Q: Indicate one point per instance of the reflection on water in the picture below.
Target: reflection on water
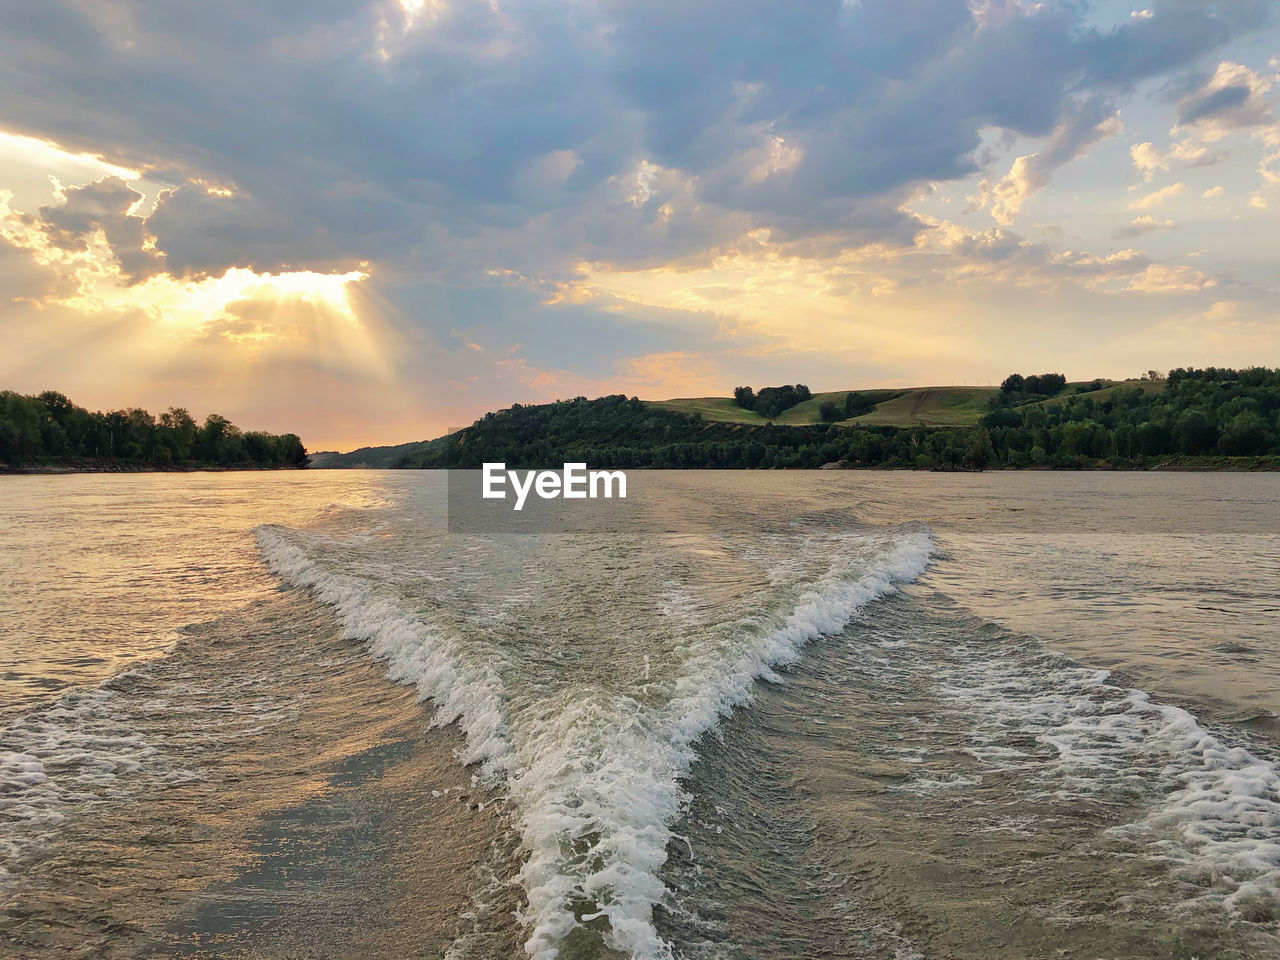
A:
(100, 570)
(937, 764)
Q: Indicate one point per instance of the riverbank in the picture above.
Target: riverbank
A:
(1154, 465)
(108, 466)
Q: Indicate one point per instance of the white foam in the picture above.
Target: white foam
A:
(596, 777)
(415, 653)
(626, 799)
(79, 751)
(1214, 809)
(98, 747)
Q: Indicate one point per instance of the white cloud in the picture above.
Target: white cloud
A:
(1158, 197)
(1160, 278)
(1147, 159)
(1143, 224)
(1091, 122)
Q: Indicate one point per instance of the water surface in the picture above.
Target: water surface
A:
(782, 714)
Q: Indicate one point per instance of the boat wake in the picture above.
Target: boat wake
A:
(594, 769)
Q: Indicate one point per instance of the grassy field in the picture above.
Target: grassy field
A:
(807, 412)
(718, 409)
(933, 407)
(930, 406)
(908, 407)
(1147, 386)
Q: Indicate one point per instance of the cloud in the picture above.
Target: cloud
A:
(1158, 197)
(1187, 152)
(1213, 103)
(104, 205)
(383, 119)
(606, 185)
(1213, 192)
(1090, 122)
(1159, 278)
(1143, 224)
(23, 279)
(1234, 98)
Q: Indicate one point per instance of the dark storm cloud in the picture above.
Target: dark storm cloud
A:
(511, 134)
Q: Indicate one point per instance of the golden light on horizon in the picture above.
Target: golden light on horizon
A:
(798, 303)
(201, 300)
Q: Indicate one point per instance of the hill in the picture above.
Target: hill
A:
(950, 406)
(365, 458)
(1197, 419)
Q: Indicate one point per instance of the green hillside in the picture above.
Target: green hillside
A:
(907, 407)
(714, 409)
(807, 412)
(1108, 390)
(1197, 419)
(912, 406)
(933, 407)
(365, 458)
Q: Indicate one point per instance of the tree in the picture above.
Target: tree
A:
(50, 426)
(1152, 438)
(856, 404)
(178, 433)
(1195, 433)
(210, 440)
(828, 411)
(1245, 434)
(57, 405)
(1014, 383)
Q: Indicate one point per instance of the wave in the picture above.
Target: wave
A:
(1212, 810)
(595, 778)
(415, 653)
(142, 730)
(80, 750)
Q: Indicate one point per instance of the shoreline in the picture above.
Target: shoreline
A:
(55, 469)
(1266, 464)
(1254, 465)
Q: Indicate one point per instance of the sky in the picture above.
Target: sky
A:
(371, 222)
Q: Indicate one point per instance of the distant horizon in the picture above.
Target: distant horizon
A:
(725, 395)
(433, 433)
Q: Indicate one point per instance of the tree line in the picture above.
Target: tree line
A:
(1200, 416)
(771, 401)
(855, 405)
(1211, 412)
(1016, 388)
(49, 428)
